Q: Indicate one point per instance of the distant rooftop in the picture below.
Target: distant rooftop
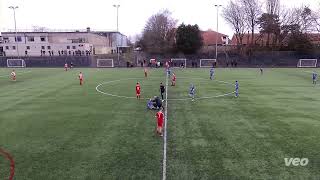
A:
(46, 30)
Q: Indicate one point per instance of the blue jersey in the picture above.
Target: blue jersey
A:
(192, 89)
(237, 85)
(211, 71)
(169, 71)
(314, 76)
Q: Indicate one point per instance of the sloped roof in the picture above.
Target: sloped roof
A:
(209, 37)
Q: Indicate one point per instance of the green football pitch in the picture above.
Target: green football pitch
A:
(55, 129)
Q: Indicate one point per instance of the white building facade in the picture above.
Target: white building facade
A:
(28, 43)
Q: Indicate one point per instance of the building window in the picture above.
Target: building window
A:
(14, 47)
(18, 39)
(42, 47)
(7, 47)
(68, 47)
(5, 39)
(28, 47)
(31, 38)
(73, 47)
(42, 38)
(48, 47)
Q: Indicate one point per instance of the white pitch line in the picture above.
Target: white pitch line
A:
(164, 162)
(178, 99)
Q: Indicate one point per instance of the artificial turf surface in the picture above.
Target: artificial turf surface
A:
(56, 129)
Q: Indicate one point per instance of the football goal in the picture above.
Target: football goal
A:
(16, 63)
(307, 63)
(207, 63)
(179, 62)
(105, 63)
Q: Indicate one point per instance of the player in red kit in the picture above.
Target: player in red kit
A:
(13, 75)
(167, 65)
(145, 72)
(173, 81)
(138, 90)
(81, 78)
(160, 119)
(66, 67)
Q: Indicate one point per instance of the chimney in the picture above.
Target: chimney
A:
(88, 29)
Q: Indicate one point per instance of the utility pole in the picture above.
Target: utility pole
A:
(217, 6)
(117, 6)
(15, 27)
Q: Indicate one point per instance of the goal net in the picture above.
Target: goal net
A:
(207, 62)
(307, 63)
(179, 62)
(16, 63)
(105, 63)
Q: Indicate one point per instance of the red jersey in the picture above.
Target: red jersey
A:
(138, 89)
(174, 78)
(81, 76)
(160, 116)
(167, 64)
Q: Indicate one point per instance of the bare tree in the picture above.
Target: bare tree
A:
(233, 13)
(252, 9)
(304, 17)
(158, 34)
(273, 7)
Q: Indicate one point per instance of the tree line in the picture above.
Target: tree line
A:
(279, 26)
(161, 35)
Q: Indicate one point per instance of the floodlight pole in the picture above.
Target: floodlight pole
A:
(15, 27)
(117, 6)
(217, 6)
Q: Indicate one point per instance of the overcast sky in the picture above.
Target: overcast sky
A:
(101, 15)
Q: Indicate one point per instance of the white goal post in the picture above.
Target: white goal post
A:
(307, 63)
(179, 62)
(16, 63)
(207, 63)
(105, 63)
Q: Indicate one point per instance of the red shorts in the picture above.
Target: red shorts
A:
(160, 123)
(138, 93)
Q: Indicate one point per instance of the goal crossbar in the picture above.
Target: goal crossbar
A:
(207, 62)
(105, 63)
(307, 63)
(16, 63)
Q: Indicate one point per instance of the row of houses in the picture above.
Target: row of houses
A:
(87, 42)
(74, 42)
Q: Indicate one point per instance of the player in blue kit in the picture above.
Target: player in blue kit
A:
(314, 77)
(211, 73)
(237, 89)
(192, 91)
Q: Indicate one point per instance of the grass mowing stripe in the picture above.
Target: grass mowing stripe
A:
(164, 166)
(8, 75)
